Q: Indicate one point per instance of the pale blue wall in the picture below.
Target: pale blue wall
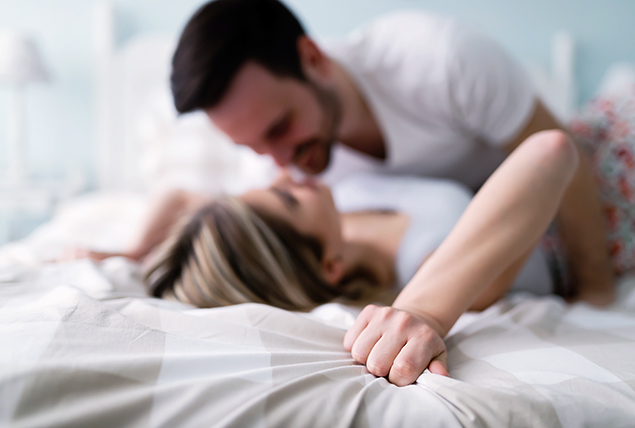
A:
(61, 114)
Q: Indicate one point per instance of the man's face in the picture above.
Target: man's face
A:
(295, 122)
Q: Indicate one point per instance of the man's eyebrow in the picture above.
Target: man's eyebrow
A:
(278, 126)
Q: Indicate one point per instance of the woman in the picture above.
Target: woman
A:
(288, 246)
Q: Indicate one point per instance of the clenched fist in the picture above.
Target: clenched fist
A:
(396, 344)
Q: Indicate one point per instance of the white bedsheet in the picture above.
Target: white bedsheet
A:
(81, 345)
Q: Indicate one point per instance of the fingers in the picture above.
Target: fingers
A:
(360, 324)
(72, 253)
(396, 344)
(99, 256)
(369, 327)
(382, 355)
(364, 343)
(418, 353)
(440, 365)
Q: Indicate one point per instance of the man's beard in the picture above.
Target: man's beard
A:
(331, 108)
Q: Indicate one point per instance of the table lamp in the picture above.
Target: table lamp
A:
(20, 64)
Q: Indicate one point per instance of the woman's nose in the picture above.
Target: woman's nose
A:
(292, 177)
(284, 177)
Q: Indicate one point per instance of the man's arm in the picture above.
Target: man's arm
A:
(580, 221)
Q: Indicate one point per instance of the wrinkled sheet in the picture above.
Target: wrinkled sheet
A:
(81, 345)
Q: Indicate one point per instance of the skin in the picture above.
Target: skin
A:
(296, 123)
(291, 121)
(498, 228)
(473, 267)
(401, 341)
(309, 208)
(165, 209)
(367, 238)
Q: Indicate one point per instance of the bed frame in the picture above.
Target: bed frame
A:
(133, 79)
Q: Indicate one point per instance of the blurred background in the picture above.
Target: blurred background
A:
(61, 117)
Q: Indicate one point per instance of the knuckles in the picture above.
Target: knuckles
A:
(403, 320)
(404, 372)
(385, 313)
(358, 356)
(377, 369)
(369, 310)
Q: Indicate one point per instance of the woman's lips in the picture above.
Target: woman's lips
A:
(310, 182)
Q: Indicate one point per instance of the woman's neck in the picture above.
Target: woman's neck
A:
(372, 241)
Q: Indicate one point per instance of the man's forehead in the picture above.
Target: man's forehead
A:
(254, 99)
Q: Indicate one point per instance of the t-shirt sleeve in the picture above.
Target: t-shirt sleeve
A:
(492, 96)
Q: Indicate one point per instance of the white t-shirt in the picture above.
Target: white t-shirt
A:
(445, 97)
(433, 206)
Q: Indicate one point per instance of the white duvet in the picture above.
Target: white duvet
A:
(81, 345)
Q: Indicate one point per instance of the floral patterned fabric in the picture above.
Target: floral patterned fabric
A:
(606, 130)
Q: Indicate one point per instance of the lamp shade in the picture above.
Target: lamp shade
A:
(20, 60)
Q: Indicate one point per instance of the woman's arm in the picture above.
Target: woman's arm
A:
(164, 211)
(499, 227)
(580, 222)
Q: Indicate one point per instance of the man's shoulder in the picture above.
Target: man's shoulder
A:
(406, 57)
(398, 45)
(407, 30)
(408, 18)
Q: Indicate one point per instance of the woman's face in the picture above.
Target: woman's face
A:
(307, 206)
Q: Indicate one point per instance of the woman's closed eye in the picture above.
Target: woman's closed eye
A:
(288, 199)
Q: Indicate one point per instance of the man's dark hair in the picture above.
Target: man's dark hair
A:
(220, 37)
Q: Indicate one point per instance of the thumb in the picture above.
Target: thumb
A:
(439, 365)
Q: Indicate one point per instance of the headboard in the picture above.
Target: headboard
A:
(143, 144)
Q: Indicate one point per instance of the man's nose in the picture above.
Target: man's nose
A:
(282, 155)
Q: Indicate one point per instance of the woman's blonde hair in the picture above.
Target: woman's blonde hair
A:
(229, 253)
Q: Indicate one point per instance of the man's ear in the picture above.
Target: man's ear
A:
(333, 269)
(315, 64)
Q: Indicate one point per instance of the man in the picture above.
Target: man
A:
(410, 94)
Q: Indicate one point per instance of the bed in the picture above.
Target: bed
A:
(81, 344)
